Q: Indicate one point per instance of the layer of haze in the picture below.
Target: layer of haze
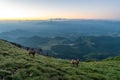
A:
(45, 9)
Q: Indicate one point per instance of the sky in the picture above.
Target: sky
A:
(70, 9)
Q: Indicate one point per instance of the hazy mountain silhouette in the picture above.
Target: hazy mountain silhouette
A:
(65, 28)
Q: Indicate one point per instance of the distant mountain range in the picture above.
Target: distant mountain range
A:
(63, 28)
(89, 39)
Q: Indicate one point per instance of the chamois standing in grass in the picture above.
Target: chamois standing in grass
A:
(32, 52)
(75, 62)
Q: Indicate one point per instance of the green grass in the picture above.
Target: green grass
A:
(15, 64)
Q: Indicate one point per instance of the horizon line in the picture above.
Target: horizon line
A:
(44, 19)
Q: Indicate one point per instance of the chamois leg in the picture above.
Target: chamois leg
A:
(33, 54)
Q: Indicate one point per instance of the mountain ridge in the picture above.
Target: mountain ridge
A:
(15, 64)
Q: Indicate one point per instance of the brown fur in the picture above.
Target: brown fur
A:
(32, 52)
(75, 62)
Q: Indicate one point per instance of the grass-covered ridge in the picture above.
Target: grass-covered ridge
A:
(15, 64)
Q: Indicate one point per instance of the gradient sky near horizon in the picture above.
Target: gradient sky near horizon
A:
(71, 9)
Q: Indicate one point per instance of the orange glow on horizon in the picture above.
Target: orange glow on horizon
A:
(82, 16)
(46, 17)
(23, 18)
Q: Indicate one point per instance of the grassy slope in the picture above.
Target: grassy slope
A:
(15, 64)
